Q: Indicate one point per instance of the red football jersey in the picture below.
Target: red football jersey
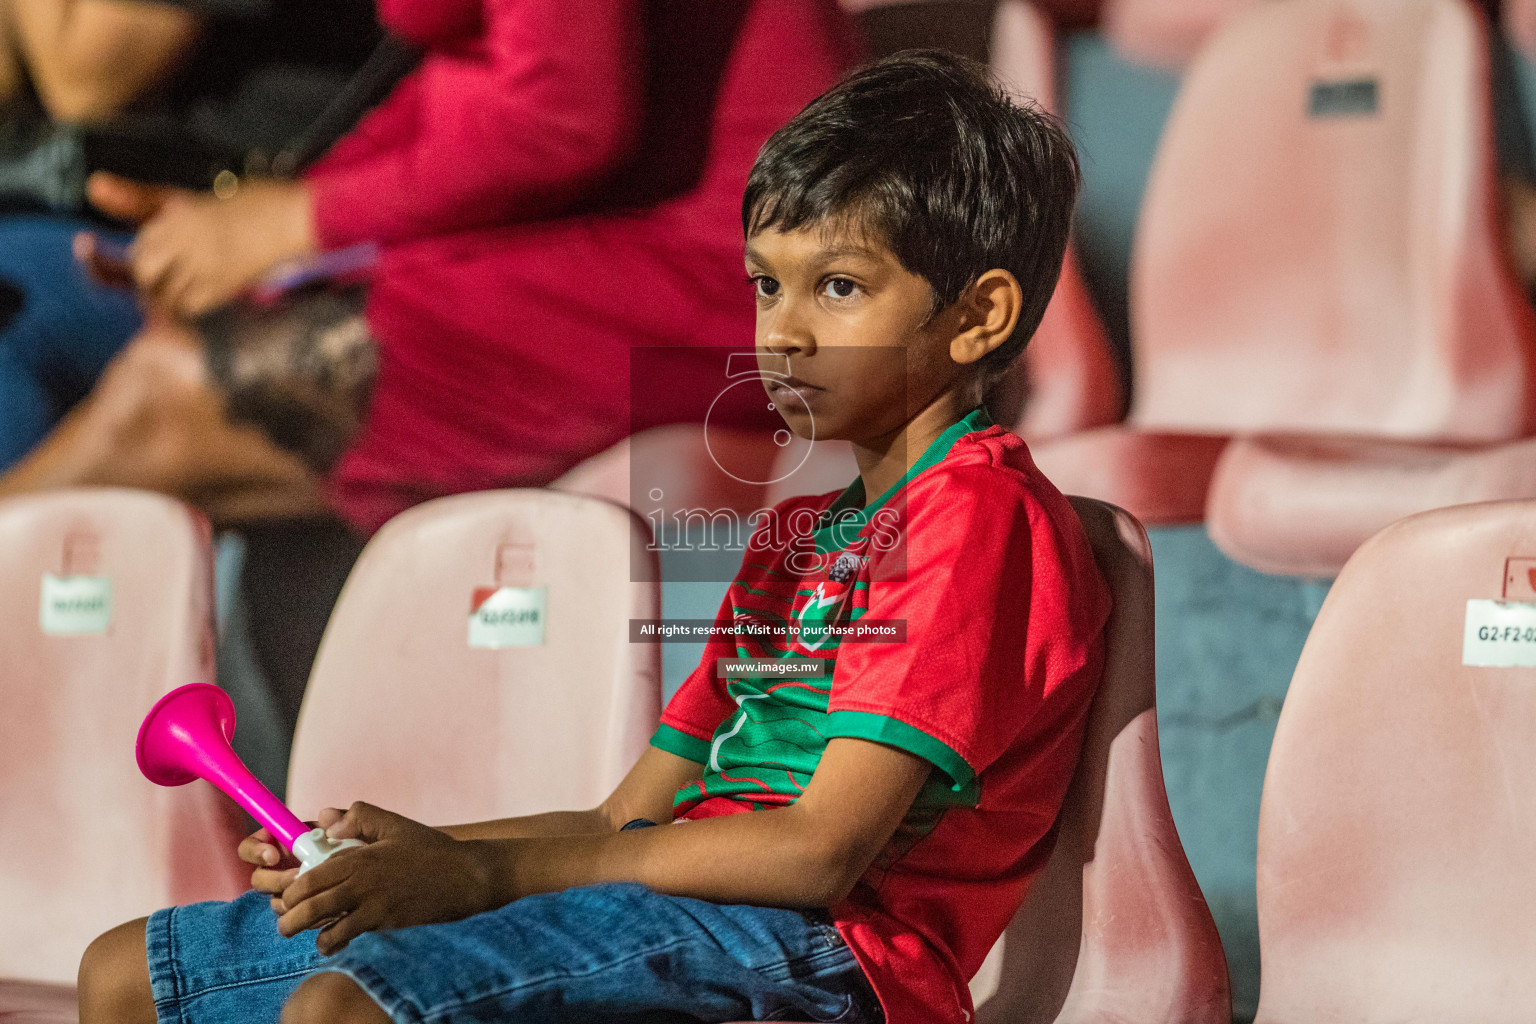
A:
(985, 566)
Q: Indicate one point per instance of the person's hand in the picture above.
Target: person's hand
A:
(127, 200)
(408, 874)
(195, 252)
(275, 867)
(104, 266)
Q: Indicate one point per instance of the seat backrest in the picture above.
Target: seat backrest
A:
(1066, 381)
(1318, 249)
(1115, 927)
(1398, 816)
(1519, 17)
(105, 604)
(1165, 33)
(479, 664)
(666, 470)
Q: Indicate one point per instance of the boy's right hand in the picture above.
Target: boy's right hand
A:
(276, 867)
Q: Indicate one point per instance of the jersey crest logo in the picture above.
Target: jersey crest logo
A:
(825, 605)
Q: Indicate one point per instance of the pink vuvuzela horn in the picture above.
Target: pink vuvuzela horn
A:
(186, 736)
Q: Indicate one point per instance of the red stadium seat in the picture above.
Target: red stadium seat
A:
(1165, 33)
(410, 710)
(105, 604)
(1318, 251)
(1395, 837)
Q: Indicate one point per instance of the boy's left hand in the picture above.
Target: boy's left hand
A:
(408, 874)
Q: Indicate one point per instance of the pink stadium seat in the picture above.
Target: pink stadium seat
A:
(1067, 374)
(1318, 256)
(1318, 250)
(1069, 378)
(24, 1002)
(105, 604)
(1115, 928)
(1160, 478)
(1301, 506)
(725, 469)
(405, 711)
(1166, 33)
(1024, 52)
(1398, 819)
(1519, 17)
(829, 466)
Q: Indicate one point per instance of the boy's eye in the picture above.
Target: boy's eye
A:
(840, 288)
(766, 286)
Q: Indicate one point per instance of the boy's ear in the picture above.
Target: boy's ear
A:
(989, 311)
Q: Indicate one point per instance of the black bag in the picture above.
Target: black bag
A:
(44, 165)
(301, 368)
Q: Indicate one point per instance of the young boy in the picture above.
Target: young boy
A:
(904, 234)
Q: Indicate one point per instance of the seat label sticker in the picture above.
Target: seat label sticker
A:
(507, 617)
(75, 605)
(1499, 634)
(1356, 97)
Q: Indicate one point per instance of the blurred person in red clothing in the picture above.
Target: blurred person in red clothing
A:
(548, 189)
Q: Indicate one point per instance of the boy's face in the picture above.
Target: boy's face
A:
(865, 350)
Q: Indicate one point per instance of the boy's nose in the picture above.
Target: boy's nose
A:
(788, 335)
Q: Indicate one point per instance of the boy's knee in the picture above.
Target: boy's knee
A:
(114, 978)
(331, 998)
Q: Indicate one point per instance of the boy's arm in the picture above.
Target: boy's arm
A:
(809, 854)
(646, 792)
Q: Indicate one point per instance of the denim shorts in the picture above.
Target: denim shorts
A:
(616, 951)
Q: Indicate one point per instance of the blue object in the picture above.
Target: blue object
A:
(60, 339)
(614, 951)
(1228, 639)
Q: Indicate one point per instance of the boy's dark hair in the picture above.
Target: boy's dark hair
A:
(927, 149)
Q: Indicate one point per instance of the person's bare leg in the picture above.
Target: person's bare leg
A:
(331, 998)
(114, 978)
(155, 422)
